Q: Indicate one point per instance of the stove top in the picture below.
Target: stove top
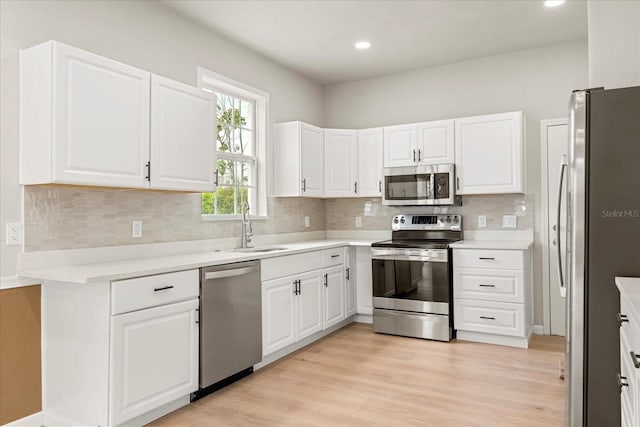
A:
(423, 231)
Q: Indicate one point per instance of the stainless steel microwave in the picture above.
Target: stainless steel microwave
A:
(424, 185)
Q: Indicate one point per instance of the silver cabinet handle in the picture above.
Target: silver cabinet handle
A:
(304, 185)
(487, 258)
(414, 155)
(164, 288)
(557, 229)
(457, 183)
(335, 256)
(380, 186)
(229, 273)
(419, 152)
(355, 187)
(326, 280)
(634, 359)
(348, 276)
(622, 382)
(487, 318)
(482, 285)
(622, 318)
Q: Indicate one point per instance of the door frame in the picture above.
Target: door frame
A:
(546, 290)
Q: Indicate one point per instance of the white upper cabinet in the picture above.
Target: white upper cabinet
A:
(370, 162)
(400, 145)
(298, 160)
(490, 154)
(435, 142)
(84, 119)
(419, 144)
(341, 163)
(183, 136)
(88, 120)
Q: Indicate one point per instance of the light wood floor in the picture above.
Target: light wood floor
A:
(356, 377)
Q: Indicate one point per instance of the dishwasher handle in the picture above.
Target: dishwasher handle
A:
(229, 273)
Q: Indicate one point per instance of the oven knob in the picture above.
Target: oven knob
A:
(402, 220)
(448, 219)
(455, 219)
(395, 220)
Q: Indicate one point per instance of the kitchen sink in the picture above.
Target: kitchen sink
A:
(258, 249)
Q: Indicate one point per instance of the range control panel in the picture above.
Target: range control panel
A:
(426, 222)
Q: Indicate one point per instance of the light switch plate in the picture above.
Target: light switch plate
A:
(358, 221)
(14, 233)
(136, 228)
(307, 222)
(482, 221)
(509, 221)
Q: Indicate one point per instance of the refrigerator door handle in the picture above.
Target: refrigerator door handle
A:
(563, 288)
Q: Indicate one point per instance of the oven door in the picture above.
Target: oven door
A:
(415, 280)
(419, 185)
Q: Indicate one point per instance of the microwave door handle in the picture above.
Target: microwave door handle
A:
(563, 289)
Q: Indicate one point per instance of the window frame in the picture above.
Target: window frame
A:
(214, 82)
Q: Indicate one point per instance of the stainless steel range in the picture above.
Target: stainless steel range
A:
(412, 277)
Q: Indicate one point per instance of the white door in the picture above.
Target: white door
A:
(183, 136)
(435, 142)
(334, 304)
(557, 142)
(370, 162)
(278, 315)
(489, 154)
(400, 145)
(309, 304)
(340, 163)
(154, 358)
(312, 160)
(350, 282)
(101, 120)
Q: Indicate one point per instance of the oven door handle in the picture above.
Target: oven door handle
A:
(407, 258)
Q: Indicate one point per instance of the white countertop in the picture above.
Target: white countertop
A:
(116, 270)
(493, 244)
(630, 290)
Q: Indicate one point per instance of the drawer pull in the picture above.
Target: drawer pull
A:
(634, 359)
(487, 258)
(622, 318)
(482, 285)
(622, 382)
(335, 256)
(164, 288)
(487, 318)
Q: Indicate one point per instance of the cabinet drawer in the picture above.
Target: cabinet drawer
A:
(150, 291)
(272, 268)
(628, 328)
(491, 285)
(331, 257)
(499, 318)
(487, 258)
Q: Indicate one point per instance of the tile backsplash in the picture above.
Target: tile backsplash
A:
(341, 213)
(61, 217)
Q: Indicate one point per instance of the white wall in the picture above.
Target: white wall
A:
(144, 34)
(614, 43)
(537, 81)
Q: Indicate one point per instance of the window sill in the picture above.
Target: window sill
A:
(207, 217)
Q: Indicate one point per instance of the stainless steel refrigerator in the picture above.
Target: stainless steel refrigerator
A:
(603, 241)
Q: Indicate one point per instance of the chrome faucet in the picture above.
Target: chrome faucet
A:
(247, 230)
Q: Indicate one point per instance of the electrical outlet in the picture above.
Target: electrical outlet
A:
(358, 221)
(482, 221)
(509, 221)
(14, 233)
(307, 223)
(136, 228)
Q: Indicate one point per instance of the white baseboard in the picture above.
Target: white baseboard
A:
(32, 420)
(538, 330)
(364, 318)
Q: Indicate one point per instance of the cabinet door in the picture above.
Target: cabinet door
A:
(183, 137)
(340, 163)
(278, 321)
(489, 154)
(334, 304)
(311, 160)
(101, 120)
(370, 162)
(435, 142)
(154, 358)
(400, 145)
(309, 304)
(350, 283)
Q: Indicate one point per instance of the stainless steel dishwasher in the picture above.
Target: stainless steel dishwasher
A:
(230, 324)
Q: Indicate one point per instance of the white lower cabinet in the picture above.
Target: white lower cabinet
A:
(334, 296)
(154, 358)
(493, 296)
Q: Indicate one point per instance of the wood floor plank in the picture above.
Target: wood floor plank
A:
(356, 377)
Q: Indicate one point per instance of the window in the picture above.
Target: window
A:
(240, 145)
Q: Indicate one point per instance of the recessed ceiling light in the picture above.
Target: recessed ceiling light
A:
(553, 3)
(362, 45)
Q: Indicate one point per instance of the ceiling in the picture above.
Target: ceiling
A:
(316, 38)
